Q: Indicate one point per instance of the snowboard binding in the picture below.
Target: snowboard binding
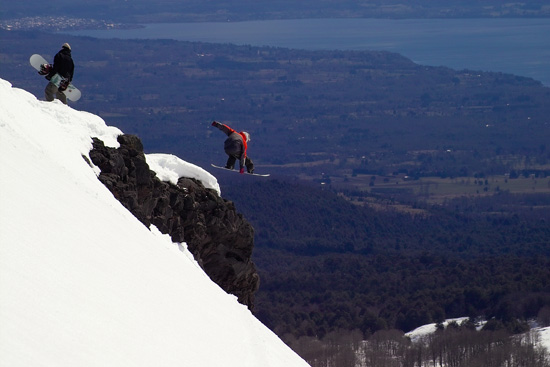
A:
(63, 84)
(45, 69)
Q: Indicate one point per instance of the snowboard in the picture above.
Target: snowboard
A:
(72, 93)
(237, 171)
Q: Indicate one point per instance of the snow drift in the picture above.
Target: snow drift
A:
(84, 283)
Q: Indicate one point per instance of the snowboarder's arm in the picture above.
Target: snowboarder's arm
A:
(55, 66)
(71, 72)
(226, 129)
(242, 162)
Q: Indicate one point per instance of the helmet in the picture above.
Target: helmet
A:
(66, 45)
(247, 135)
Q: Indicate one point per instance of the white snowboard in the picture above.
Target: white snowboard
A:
(237, 171)
(72, 93)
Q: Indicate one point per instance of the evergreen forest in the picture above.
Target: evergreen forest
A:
(327, 264)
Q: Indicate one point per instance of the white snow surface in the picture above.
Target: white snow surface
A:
(82, 281)
(170, 168)
(428, 329)
(544, 337)
(423, 331)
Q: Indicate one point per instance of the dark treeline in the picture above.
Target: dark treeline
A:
(290, 216)
(326, 264)
(453, 346)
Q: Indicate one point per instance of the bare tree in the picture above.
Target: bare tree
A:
(451, 347)
(543, 316)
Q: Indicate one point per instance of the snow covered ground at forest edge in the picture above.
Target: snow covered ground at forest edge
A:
(543, 333)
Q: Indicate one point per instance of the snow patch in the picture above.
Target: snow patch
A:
(425, 330)
(170, 168)
(544, 337)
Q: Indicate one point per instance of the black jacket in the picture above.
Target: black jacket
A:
(63, 64)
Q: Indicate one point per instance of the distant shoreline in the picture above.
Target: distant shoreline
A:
(60, 24)
(514, 46)
(52, 23)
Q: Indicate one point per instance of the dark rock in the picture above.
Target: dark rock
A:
(220, 238)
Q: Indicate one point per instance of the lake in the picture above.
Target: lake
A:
(516, 46)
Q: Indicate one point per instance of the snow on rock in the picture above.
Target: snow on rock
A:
(82, 282)
(170, 168)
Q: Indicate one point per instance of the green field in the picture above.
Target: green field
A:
(436, 188)
(432, 189)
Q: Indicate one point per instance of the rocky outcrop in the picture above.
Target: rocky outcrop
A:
(219, 238)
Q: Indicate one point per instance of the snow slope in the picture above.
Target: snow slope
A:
(82, 282)
(422, 331)
(544, 337)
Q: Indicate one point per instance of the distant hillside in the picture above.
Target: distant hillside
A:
(308, 221)
(309, 112)
(326, 264)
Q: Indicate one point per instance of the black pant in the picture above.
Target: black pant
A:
(247, 162)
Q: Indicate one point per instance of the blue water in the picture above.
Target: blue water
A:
(516, 46)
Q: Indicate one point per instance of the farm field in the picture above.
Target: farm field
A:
(434, 190)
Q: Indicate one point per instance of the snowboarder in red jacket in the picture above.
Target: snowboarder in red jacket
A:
(235, 147)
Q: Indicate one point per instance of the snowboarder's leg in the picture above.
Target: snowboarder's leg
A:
(61, 96)
(230, 162)
(249, 165)
(50, 92)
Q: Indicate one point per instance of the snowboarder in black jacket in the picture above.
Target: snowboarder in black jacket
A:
(64, 66)
(235, 147)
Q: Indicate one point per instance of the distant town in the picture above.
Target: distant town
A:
(54, 24)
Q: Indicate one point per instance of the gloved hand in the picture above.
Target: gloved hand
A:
(215, 123)
(241, 171)
(63, 85)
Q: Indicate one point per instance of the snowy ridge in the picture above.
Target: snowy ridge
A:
(84, 283)
(423, 331)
